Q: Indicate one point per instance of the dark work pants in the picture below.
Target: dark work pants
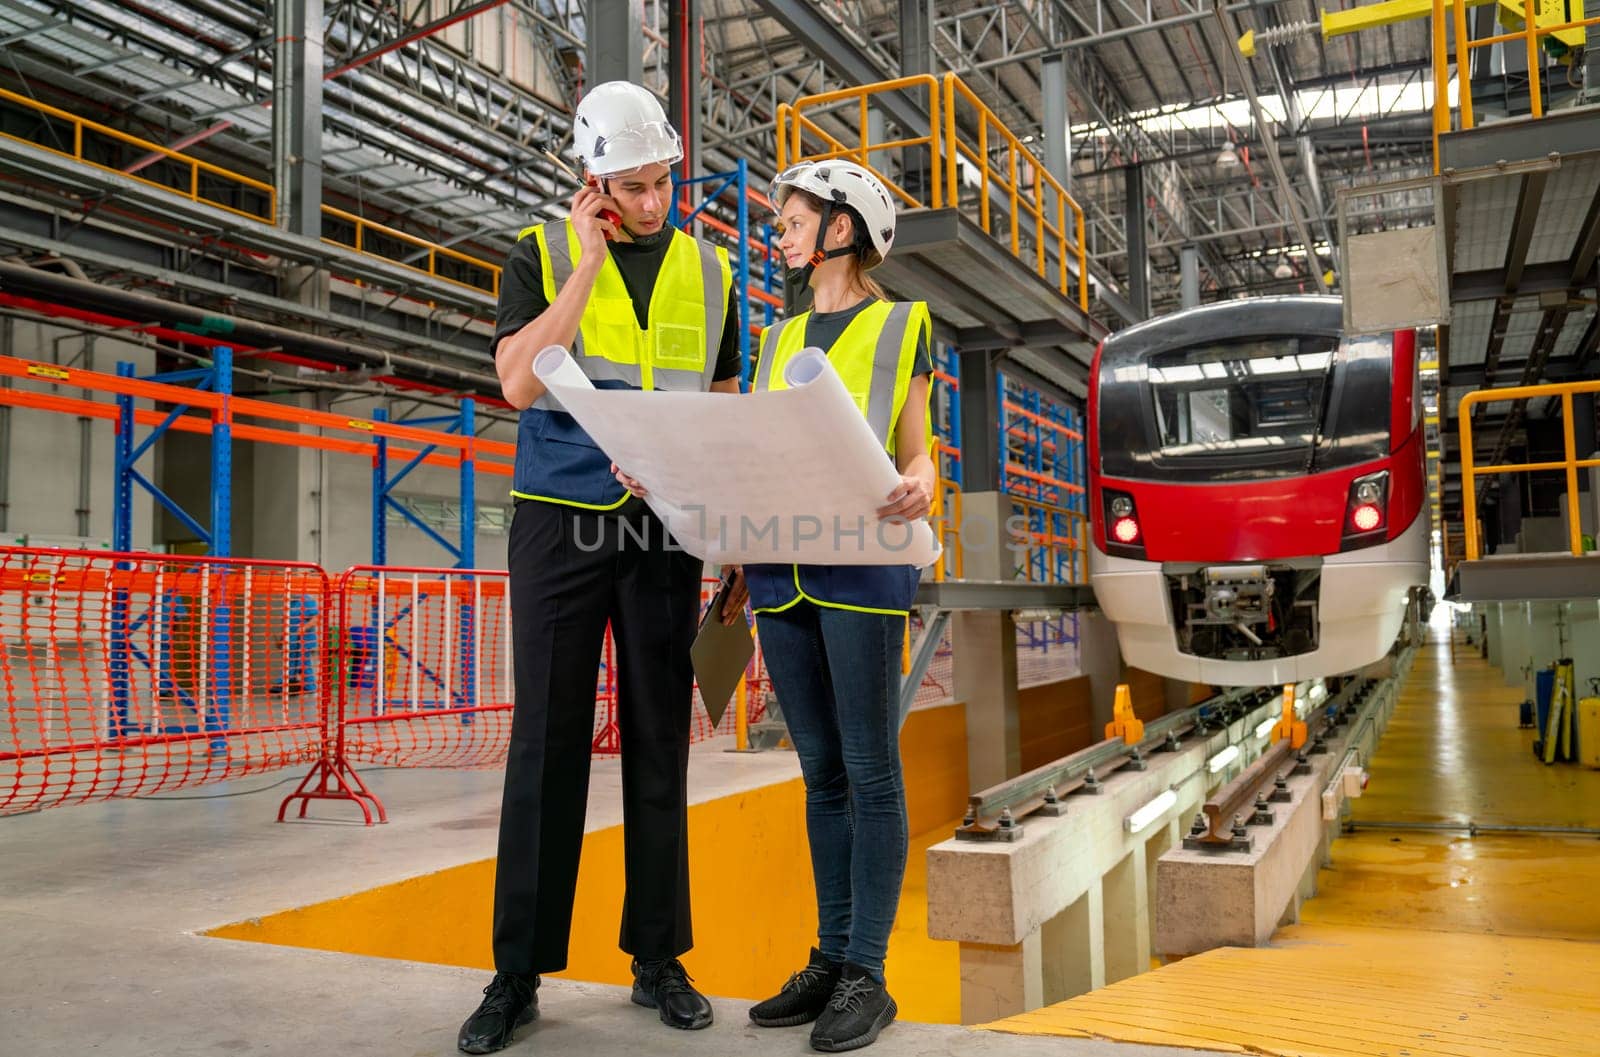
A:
(571, 571)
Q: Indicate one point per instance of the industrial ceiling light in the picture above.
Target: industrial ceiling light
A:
(1228, 157)
(1284, 270)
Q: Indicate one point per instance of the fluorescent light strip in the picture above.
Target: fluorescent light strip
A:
(1222, 759)
(1142, 818)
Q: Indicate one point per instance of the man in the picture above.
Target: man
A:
(641, 306)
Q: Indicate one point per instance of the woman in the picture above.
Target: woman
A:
(832, 636)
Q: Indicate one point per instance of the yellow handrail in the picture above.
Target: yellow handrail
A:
(792, 124)
(436, 253)
(195, 165)
(1529, 35)
(1036, 201)
(1571, 463)
(1055, 218)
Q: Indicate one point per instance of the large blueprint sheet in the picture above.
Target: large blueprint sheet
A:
(793, 475)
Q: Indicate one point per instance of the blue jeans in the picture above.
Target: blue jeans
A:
(837, 677)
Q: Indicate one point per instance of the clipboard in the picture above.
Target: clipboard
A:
(720, 654)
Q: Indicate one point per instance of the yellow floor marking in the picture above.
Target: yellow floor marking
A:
(752, 899)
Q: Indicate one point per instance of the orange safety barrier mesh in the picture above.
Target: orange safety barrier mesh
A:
(127, 675)
(421, 674)
(424, 679)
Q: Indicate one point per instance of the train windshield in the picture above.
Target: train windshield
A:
(1240, 396)
(1246, 408)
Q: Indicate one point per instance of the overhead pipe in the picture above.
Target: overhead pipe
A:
(237, 332)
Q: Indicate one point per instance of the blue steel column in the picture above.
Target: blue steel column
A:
(122, 542)
(122, 505)
(1002, 441)
(741, 275)
(469, 489)
(219, 714)
(955, 420)
(767, 270)
(380, 492)
(466, 642)
(222, 456)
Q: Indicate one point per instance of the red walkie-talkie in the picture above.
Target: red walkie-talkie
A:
(610, 216)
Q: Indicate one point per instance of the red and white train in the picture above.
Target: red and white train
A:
(1256, 491)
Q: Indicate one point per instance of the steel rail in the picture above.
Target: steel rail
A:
(1245, 801)
(996, 812)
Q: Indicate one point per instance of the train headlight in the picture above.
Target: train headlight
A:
(1124, 534)
(1366, 517)
(1368, 510)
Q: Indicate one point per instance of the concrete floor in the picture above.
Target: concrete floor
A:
(101, 907)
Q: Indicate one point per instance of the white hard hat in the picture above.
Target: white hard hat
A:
(620, 126)
(844, 183)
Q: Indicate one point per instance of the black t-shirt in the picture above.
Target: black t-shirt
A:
(522, 292)
(823, 329)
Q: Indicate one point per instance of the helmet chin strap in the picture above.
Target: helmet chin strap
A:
(818, 254)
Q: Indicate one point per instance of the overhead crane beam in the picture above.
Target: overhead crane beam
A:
(1389, 12)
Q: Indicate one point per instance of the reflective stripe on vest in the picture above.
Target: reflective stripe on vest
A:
(769, 352)
(874, 358)
(556, 460)
(687, 313)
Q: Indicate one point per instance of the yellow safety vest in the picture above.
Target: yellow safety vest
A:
(677, 350)
(874, 358)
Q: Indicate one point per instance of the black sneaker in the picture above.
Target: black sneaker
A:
(802, 999)
(509, 1002)
(662, 985)
(858, 1009)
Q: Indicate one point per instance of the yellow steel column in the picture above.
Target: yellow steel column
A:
(1463, 66)
(1574, 522)
(1530, 33)
(1469, 491)
(1441, 78)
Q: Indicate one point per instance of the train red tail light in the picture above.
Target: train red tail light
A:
(1124, 535)
(1366, 511)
